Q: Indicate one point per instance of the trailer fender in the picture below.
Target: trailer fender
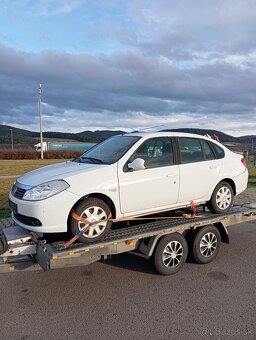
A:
(148, 245)
(223, 232)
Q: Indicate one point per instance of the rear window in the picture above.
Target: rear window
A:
(219, 152)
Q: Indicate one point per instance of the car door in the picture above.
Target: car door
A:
(156, 186)
(199, 169)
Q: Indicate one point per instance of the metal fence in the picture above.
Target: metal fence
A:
(251, 160)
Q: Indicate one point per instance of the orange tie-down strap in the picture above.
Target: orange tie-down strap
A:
(88, 224)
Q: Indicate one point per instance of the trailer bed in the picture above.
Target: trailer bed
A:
(27, 253)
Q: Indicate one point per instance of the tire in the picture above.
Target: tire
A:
(206, 244)
(170, 254)
(93, 209)
(222, 198)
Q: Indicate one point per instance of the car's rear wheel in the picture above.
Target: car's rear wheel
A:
(222, 198)
(93, 210)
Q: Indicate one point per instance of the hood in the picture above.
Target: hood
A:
(56, 171)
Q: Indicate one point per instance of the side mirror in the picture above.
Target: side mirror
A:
(137, 164)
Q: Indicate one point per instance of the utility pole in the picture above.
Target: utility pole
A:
(41, 119)
(11, 138)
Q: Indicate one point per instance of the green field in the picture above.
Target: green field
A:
(252, 177)
(19, 167)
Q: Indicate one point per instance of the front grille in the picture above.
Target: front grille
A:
(19, 193)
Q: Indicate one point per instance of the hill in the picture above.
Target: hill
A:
(21, 136)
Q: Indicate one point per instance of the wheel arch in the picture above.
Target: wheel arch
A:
(229, 181)
(101, 196)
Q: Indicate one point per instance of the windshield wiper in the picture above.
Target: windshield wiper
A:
(92, 159)
(77, 159)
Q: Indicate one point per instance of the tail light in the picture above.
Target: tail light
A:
(243, 160)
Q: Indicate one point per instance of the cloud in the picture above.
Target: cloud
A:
(181, 65)
(178, 28)
(42, 7)
(54, 7)
(121, 90)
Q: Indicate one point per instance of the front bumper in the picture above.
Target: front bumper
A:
(52, 212)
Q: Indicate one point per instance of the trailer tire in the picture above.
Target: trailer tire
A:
(91, 208)
(206, 244)
(170, 254)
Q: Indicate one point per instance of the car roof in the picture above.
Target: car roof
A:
(167, 134)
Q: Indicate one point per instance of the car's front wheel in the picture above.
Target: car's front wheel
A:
(93, 210)
(222, 198)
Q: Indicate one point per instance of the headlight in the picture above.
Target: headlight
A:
(45, 190)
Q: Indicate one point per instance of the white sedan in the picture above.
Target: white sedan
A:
(125, 176)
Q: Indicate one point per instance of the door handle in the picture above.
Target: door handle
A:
(213, 166)
(170, 175)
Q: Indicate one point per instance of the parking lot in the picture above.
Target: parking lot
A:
(125, 298)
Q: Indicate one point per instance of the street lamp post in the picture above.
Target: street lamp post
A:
(11, 138)
(41, 119)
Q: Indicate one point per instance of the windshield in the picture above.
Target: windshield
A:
(109, 151)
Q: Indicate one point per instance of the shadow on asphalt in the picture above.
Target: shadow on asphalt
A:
(131, 262)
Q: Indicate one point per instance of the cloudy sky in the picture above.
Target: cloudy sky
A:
(135, 64)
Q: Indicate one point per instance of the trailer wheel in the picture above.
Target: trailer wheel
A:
(170, 254)
(206, 244)
(92, 209)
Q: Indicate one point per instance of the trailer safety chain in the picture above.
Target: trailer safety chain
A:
(88, 224)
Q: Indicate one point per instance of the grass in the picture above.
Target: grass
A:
(252, 182)
(15, 168)
(19, 167)
(252, 171)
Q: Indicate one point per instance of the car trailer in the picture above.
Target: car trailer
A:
(166, 241)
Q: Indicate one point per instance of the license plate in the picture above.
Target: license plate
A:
(13, 206)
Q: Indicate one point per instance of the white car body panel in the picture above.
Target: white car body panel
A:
(133, 193)
(153, 189)
(197, 182)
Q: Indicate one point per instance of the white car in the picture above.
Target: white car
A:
(128, 175)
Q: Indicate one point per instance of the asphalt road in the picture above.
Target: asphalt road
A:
(125, 299)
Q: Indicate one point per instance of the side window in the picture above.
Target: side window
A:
(156, 152)
(219, 152)
(190, 150)
(208, 153)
